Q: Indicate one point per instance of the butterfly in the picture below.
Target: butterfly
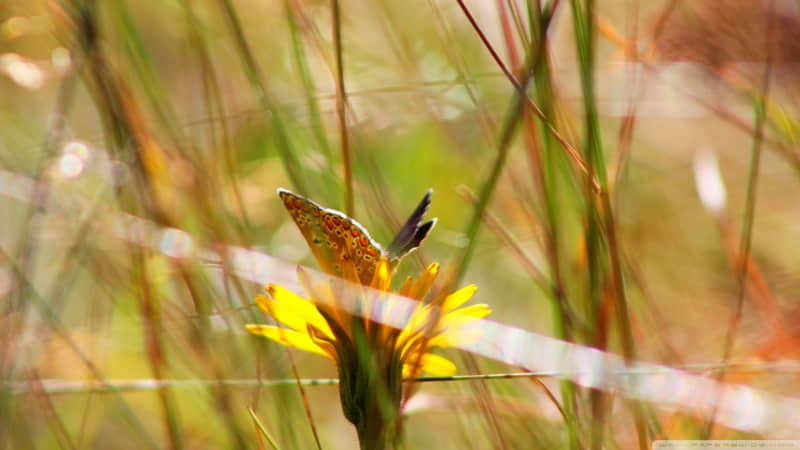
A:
(335, 238)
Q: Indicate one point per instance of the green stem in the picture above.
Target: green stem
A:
(341, 113)
(546, 164)
(600, 217)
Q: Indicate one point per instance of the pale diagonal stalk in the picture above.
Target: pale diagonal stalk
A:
(518, 23)
(262, 429)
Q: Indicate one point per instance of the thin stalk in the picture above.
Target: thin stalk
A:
(285, 148)
(125, 124)
(154, 335)
(582, 26)
(745, 240)
(546, 174)
(317, 126)
(52, 320)
(465, 78)
(222, 140)
(522, 89)
(26, 252)
(341, 105)
(508, 35)
(49, 410)
(600, 214)
(502, 232)
(262, 429)
(512, 118)
(70, 386)
(518, 24)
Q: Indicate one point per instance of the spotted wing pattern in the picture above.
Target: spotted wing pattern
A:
(333, 237)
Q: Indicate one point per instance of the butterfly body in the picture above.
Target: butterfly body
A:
(336, 239)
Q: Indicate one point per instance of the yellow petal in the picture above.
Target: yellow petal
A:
(431, 364)
(420, 319)
(281, 294)
(478, 311)
(291, 310)
(417, 323)
(458, 298)
(437, 365)
(450, 330)
(404, 291)
(463, 316)
(455, 336)
(289, 338)
(424, 283)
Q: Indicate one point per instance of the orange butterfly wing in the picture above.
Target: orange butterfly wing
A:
(334, 238)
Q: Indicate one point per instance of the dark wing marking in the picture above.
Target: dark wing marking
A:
(412, 233)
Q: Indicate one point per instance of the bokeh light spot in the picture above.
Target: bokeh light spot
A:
(21, 71)
(61, 59)
(708, 180)
(16, 27)
(176, 243)
(70, 165)
(73, 160)
(78, 149)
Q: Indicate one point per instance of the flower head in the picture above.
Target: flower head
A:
(372, 358)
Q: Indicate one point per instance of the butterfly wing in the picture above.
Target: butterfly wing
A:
(412, 234)
(307, 215)
(355, 246)
(334, 238)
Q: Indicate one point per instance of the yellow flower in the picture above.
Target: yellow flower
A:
(318, 327)
(372, 358)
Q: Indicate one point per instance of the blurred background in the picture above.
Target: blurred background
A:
(619, 174)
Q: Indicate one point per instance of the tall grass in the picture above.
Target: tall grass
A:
(559, 138)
